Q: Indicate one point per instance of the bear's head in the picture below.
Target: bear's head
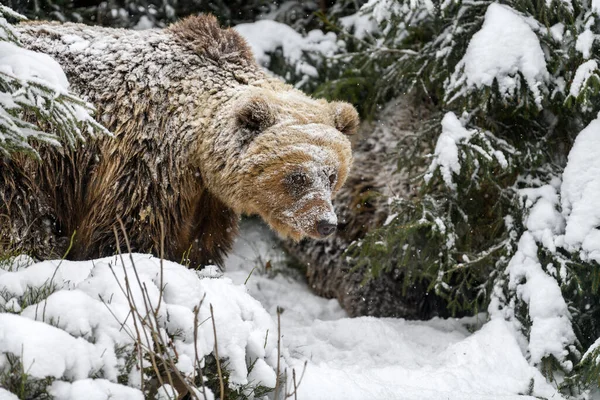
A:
(293, 156)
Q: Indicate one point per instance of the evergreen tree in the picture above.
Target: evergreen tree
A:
(514, 83)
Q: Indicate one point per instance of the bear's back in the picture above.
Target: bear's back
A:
(151, 89)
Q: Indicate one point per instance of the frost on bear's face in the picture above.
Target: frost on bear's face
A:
(295, 156)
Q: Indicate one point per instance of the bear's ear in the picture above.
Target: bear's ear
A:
(345, 117)
(255, 114)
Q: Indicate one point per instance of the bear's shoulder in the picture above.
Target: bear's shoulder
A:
(204, 36)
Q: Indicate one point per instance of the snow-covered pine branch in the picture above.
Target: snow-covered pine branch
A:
(35, 102)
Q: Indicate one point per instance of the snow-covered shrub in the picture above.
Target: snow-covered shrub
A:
(132, 327)
(35, 102)
(502, 221)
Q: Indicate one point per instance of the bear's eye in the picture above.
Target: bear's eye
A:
(332, 179)
(298, 179)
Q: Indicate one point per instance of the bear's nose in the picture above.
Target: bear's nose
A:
(325, 228)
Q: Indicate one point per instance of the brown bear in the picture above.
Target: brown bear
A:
(201, 135)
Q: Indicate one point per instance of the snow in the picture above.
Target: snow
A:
(505, 46)
(446, 149)
(381, 358)
(346, 358)
(7, 31)
(557, 31)
(383, 10)
(6, 395)
(36, 81)
(583, 73)
(551, 331)
(144, 23)
(93, 389)
(419, 360)
(46, 350)
(360, 24)
(560, 214)
(167, 392)
(584, 43)
(580, 192)
(76, 43)
(591, 350)
(266, 36)
(27, 65)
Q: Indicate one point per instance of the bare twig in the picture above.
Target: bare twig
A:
(221, 383)
(296, 384)
(157, 347)
(278, 371)
(162, 256)
(127, 292)
(197, 360)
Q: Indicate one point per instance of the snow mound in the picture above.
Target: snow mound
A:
(267, 36)
(505, 46)
(76, 333)
(6, 395)
(580, 192)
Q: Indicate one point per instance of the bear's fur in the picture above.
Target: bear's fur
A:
(202, 135)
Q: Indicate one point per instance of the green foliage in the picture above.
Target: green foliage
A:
(244, 392)
(460, 232)
(301, 15)
(15, 378)
(139, 13)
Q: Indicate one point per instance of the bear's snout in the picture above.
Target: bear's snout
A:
(325, 228)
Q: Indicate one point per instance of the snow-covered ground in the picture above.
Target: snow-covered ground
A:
(72, 336)
(382, 358)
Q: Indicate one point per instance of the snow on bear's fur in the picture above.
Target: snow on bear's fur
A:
(202, 135)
